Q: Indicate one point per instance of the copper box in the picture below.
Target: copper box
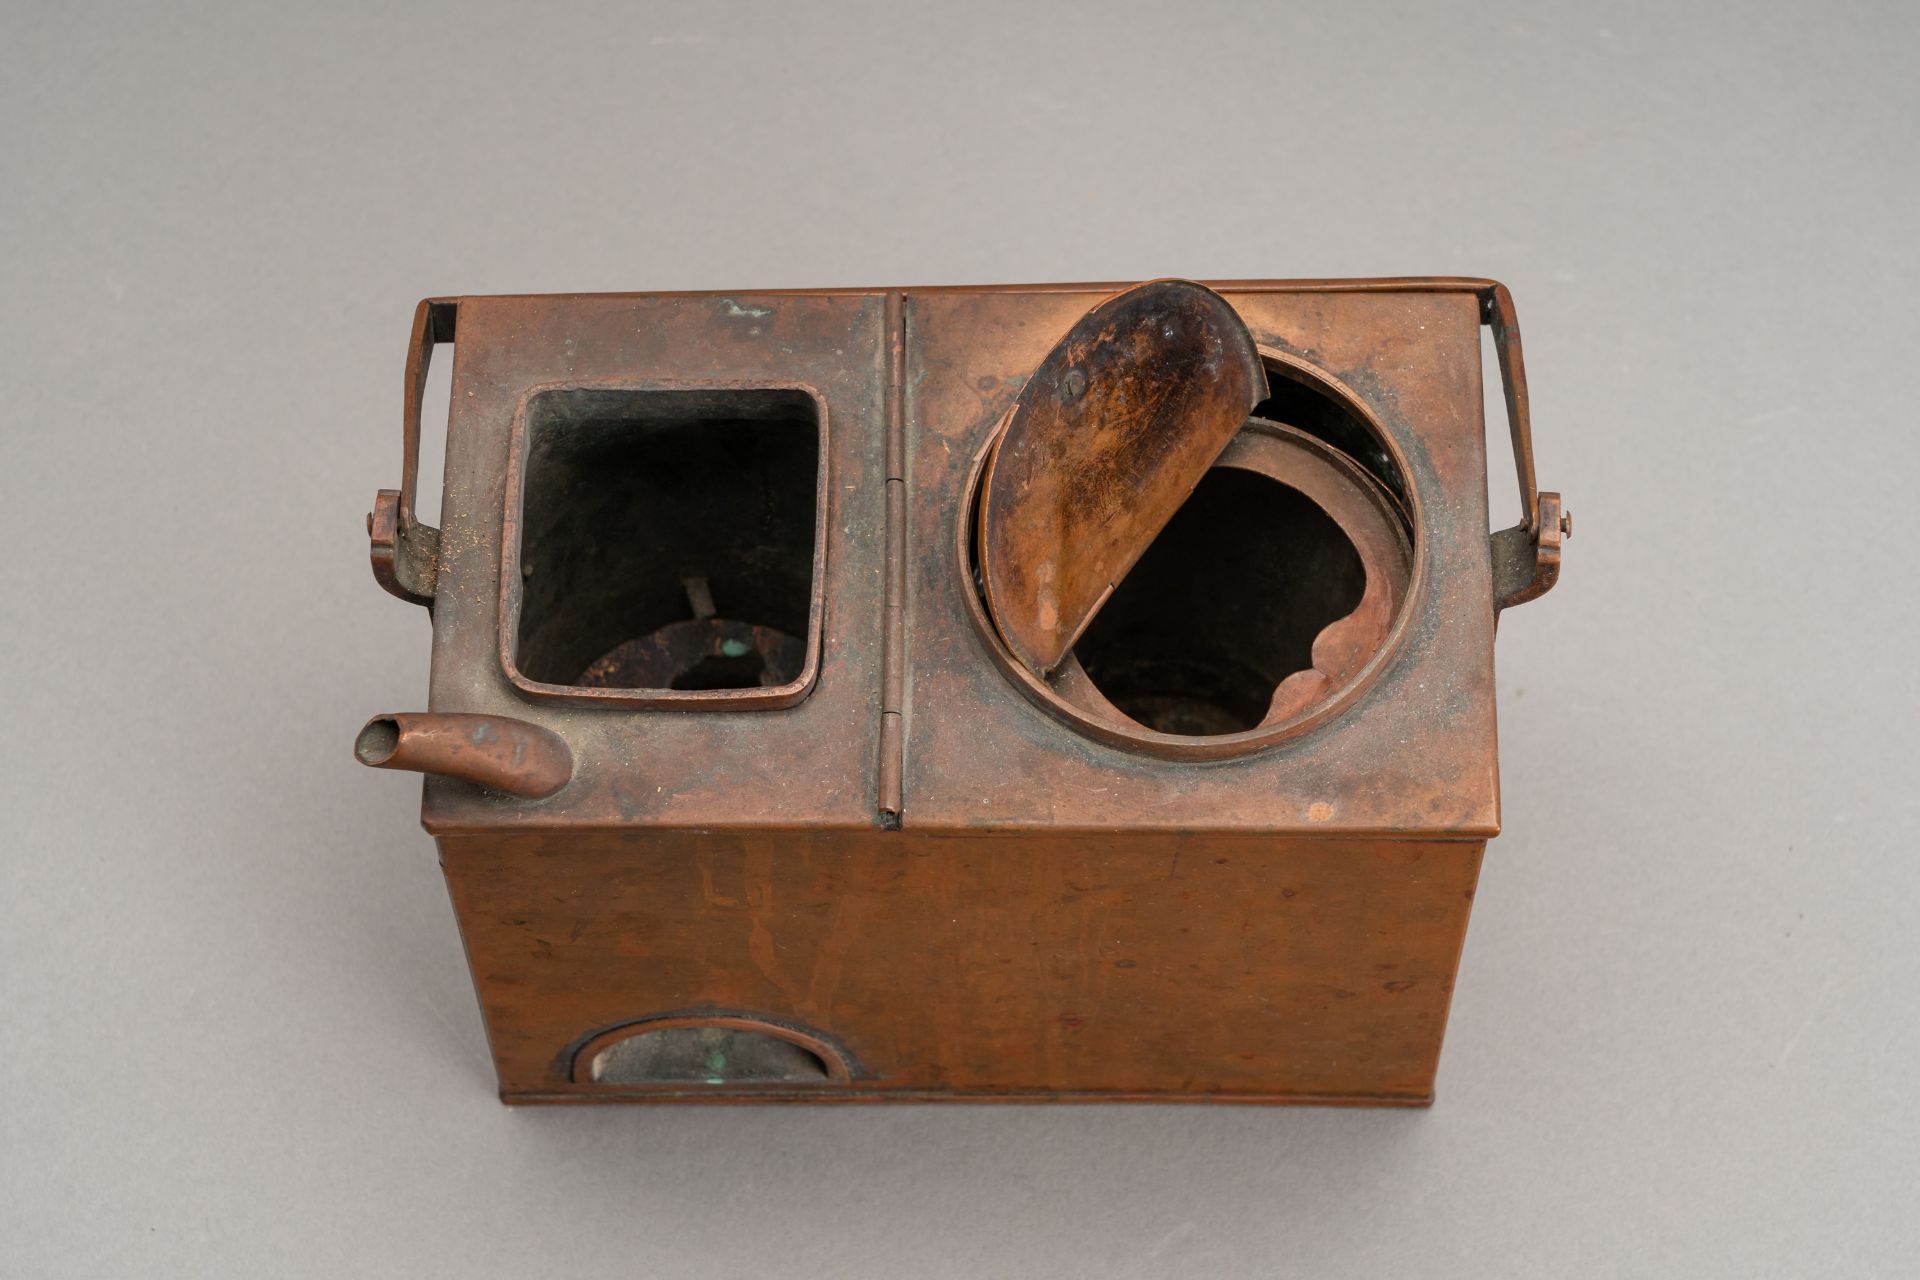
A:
(745, 788)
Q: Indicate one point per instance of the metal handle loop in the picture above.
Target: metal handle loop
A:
(406, 553)
(1526, 558)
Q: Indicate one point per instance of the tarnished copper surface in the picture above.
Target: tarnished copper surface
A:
(1107, 438)
(940, 873)
(1413, 751)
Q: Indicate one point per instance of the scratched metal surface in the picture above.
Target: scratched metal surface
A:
(239, 1035)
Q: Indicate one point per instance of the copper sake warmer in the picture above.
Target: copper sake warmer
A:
(1067, 692)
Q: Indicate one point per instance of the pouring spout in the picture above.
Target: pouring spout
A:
(490, 751)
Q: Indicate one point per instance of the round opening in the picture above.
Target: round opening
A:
(1264, 607)
(1225, 605)
(378, 741)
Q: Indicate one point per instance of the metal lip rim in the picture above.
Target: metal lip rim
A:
(1217, 747)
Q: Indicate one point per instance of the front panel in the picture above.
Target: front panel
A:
(1225, 968)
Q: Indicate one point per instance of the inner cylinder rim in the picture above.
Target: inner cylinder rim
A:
(1123, 732)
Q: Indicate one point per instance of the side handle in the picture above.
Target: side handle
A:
(406, 553)
(1526, 558)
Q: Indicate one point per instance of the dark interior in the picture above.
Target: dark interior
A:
(1224, 605)
(667, 538)
(1298, 403)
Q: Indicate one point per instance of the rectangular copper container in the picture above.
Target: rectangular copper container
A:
(881, 868)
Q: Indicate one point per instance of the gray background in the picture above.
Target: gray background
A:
(236, 1031)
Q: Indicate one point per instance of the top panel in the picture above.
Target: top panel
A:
(1411, 753)
(582, 425)
(663, 539)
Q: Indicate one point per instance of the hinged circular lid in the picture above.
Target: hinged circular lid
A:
(1109, 436)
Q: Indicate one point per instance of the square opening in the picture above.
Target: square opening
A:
(671, 546)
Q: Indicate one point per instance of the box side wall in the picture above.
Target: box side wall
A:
(989, 966)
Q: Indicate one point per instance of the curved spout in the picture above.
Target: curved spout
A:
(492, 751)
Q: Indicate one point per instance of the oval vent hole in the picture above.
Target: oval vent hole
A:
(706, 1055)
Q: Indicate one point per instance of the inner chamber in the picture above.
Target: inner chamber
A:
(668, 538)
(1229, 599)
(1225, 604)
